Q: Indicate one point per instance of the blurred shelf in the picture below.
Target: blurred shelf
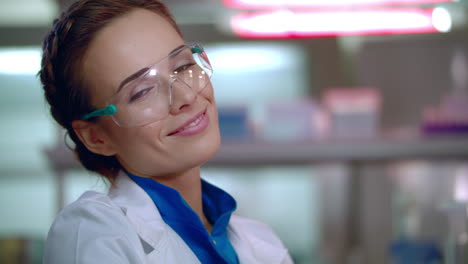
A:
(261, 153)
(357, 150)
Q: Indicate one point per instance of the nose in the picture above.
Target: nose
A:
(181, 97)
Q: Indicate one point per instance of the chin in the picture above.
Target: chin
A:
(207, 147)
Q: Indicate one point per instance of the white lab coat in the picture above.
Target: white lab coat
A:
(125, 227)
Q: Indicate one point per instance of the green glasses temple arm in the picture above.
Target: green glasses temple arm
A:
(197, 49)
(108, 110)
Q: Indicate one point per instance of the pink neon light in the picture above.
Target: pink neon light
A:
(288, 24)
(268, 4)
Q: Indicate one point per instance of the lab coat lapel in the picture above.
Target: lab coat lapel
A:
(159, 241)
(252, 249)
(139, 209)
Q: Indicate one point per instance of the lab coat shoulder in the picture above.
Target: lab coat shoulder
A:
(92, 230)
(257, 237)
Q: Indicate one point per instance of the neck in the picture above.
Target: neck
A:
(188, 184)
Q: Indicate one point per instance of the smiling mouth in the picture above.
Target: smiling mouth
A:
(190, 124)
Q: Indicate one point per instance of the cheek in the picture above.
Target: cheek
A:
(134, 142)
(143, 151)
(208, 93)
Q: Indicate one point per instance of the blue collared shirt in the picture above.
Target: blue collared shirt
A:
(217, 206)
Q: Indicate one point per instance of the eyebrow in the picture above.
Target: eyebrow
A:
(142, 71)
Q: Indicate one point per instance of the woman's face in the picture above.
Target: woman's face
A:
(128, 44)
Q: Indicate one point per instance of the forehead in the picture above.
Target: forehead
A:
(126, 45)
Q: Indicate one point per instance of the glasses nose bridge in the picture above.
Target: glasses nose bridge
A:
(165, 81)
(172, 80)
(185, 92)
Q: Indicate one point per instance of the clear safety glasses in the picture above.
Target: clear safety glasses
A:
(147, 98)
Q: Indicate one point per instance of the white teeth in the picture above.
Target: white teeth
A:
(194, 123)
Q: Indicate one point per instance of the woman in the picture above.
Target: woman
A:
(138, 103)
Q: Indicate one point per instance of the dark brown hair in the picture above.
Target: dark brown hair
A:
(61, 74)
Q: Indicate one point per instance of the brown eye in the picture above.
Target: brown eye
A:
(184, 67)
(140, 94)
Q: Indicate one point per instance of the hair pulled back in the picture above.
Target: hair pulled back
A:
(61, 75)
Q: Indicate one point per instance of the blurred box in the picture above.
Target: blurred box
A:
(234, 123)
(13, 251)
(354, 112)
(448, 117)
(17, 250)
(297, 120)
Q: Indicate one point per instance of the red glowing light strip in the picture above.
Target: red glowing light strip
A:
(268, 4)
(288, 24)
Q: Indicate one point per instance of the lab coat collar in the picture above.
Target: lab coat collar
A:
(146, 219)
(139, 209)
(252, 248)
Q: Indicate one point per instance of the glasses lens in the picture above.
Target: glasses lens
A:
(147, 98)
(194, 77)
(141, 100)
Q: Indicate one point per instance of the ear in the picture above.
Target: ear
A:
(93, 137)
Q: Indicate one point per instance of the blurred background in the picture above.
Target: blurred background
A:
(344, 123)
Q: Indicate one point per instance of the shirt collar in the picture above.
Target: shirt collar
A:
(218, 205)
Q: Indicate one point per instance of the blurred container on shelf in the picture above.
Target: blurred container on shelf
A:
(12, 251)
(17, 250)
(354, 112)
(407, 251)
(450, 116)
(234, 123)
(294, 120)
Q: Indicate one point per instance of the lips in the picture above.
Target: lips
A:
(190, 124)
